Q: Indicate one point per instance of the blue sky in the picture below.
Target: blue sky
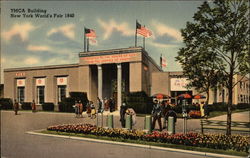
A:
(27, 42)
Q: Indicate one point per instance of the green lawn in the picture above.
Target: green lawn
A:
(227, 152)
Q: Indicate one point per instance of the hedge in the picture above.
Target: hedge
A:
(243, 105)
(66, 105)
(26, 105)
(48, 106)
(140, 102)
(6, 103)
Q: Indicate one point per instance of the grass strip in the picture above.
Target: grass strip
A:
(159, 144)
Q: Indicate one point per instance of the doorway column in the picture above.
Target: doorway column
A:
(99, 67)
(119, 86)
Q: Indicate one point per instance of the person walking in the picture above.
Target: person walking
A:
(202, 109)
(33, 106)
(16, 106)
(76, 107)
(156, 112)
(80, 108)
(206, 110)
(123, 109)
(93, 110)
(100, 105)
(165, 108)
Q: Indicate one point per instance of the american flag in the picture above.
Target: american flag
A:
(143, 30)
(163, 62)
(90, 33)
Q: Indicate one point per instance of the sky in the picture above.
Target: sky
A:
(31, 41)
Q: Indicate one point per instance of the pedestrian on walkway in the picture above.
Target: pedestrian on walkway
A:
(16, 106)
(156, 113)
(123, 109)
(80, 108)
(93, 110)
(202, 109)
(100, 105)
(88, 111)
(206, 110)
(76, 107)
(165, 108)
(33, 106)
(131, 111)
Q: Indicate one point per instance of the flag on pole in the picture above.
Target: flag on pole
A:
(143, 30)
(163, 61)
(90, 33)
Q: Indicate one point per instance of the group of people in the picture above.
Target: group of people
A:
(162, 109)
(204, 109)
(78, 108)
(16, 106)
(124, 110)
(102, 105)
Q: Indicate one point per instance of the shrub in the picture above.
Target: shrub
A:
(220, 106)
(48, 106)
(66, 105)
(6, 103)
(243, 105)
(140, 102)
(26, 106)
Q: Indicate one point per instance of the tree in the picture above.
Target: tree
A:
(197, 61)
(221, 29)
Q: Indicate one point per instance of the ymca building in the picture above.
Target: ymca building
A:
(105, 74)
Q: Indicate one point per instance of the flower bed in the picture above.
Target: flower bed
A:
(215, 141)
(194, 114)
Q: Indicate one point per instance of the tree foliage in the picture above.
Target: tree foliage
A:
(217, 46)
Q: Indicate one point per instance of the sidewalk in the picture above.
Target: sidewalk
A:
(241, 116)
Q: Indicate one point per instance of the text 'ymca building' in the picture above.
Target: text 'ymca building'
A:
(104, 74)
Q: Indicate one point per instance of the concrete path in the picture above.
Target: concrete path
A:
(241, 116)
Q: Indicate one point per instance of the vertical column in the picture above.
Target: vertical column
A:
(99, 67)
(119, 86)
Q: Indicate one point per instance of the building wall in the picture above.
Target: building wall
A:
(160, 83)
(135, 77)
(30, 74)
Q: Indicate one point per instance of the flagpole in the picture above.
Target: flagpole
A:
(87, 44)
(136, 33)
(161, 61)
(84, 40)
(144, 40)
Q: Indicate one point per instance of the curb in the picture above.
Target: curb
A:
(133, 145)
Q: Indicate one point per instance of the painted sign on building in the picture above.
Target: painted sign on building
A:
(40, 82)
(20, 82)
(61, 80)
(178, 84)
(115, 58)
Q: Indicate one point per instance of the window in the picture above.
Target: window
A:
(61, 88)
(61, 92)
(20, 83)
(20, 94)
(40, 94)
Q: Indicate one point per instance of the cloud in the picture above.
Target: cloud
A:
(38, 48)
(162, 29)
(21, 30)
(31, 60)
(66, 30)
(112, 25)
(162, 45)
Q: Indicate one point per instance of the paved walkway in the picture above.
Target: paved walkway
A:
(241, 116)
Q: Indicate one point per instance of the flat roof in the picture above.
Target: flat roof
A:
(41, 67)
